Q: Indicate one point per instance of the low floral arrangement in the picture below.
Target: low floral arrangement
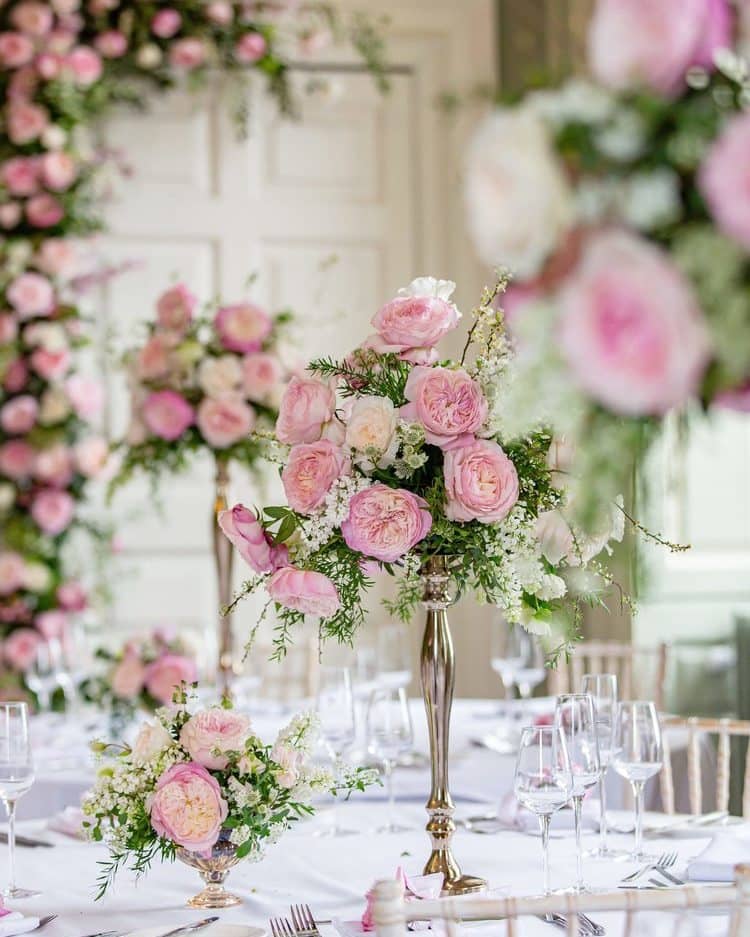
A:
(621, 204)
(191, 777)
(392, 457)
(143, 674)
(204, 379)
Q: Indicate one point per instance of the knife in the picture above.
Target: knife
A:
(25, 841)
(189, 928)
(701, 820)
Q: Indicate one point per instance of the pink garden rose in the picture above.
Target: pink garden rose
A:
(187, 53)
(85, 65)
(20, 175)
(175, 309)
(18, 415)
(250, 48)
(243, 328)
(91, 455)
(86, 396)
(481, 482)
(304, 591)
(310, 471)
(32, 18)
(219, 12)
(645, 43)
(306, 406)
(128, 677)
(10, 215)
(51, 365)
(52, 625)
(187, 807)
(44, 211)
(209, 735)
(631, 329)
(58, 170)
(261, 377)
(53, 511)
(225, 420)
(418, 317)
(166, 673)
(54, 466)
(56, 257)
(385, 523)
(17, 459)
(723, 179)
(12, 571)
(112, 44)
(166, 23)
(15, 50)
(167, 414)
(19, 649)
(72, 596)
(26, 121)
(448, 403)
(31, 294)
(243, 529)
(154, 359)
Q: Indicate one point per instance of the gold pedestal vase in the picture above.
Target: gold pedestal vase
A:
(438, 678)
(213, 870)
(223, 557)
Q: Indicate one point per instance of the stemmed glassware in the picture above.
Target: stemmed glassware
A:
(335, 707)
(43, 677)
(389, 735)
(637, 756)
(574, 716)
(543, 782)
(602, 688)
(16, 777)
(393, 657)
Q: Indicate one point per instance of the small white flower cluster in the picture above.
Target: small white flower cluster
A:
(412, 456)
(318, 528)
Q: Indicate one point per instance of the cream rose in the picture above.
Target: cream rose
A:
(218, 376)
(152, 739)
(209, 735)
(371, 432)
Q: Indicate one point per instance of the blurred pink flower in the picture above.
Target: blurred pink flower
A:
(59, 170)
(20, 175)
(56, 257)
(723, 179)
(243, 328)
(166, 23)
(91, 455)
(53, 511)
(17, 459)
(25, 121)
(127, 677)
(187, 54)
(32, 17)
(16, 376)
(385, 523)
(250, 48)
(12, 571)
(175, 309)
(31, 294)
(54, 466)
(167, 414)
(219, 12)
(44, 211)
(51, 365)
(304, 591)
(111, 43)
(52, 624)
(166, 673)
(10, 215)
(86, 396)
(153, 359)
(19, 649)
(18, 415)
(261, 376)
(15, 49)
(85, 65)
(225, 420)
(72, 596)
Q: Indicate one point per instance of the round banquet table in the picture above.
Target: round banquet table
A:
(331, 874)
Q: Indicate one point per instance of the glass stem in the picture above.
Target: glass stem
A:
(638, 792)
(388, 770)
(10, 806)
(577, 806)
(603, 828)
(544, 819)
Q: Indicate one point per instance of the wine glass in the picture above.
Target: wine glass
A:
(574, 716)
(393, 657)
(16, 777)
(603, 691)
(506, 659)
(43, 677)
(389, 735)
(543, 782)
(637, 756)
(335, 707)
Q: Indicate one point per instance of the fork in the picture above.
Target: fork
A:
(558, 920)
(665, 861)
(303, 921)
(280, 927)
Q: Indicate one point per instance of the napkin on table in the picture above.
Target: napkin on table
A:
(13, 922)
(416, 887)
(717, 861)
(68, 822)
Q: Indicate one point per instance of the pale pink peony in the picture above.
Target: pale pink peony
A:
(418, 317)
(631, 329)
(166, 23)
(72, 596)
(723, 179)
(481, 482)
(58, 170)
(44, 211)
(15, 50)
(310, 471)
(20, 648)
(85, 64)
(261, 377)
(31, 294)
(210, 735)
(10, 214)
(49, 65)
(219, 12)
(225, 420)
(243, 529)
(51, 365)
(16, 376)
(250, 48)
(304, 591)
(175, 309)
(636, 43)
(12, 571)
(54, 466)
(18, 415)
(20, 175)
(166, 673)
(53, 511)
(32, 18)
(17, 459)
(91, 455)
(112, 44)
(52, 625)
(306, 406)
(448, 403)
(128, 677)
(187, 807)
(188, 54)
(243, 328)
(385, 523)
(86, 396)
(26, 121)
(57, 257)
(167, 414)
(154, 359)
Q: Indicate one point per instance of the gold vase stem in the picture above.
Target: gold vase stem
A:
(437, 667)
(223, 557)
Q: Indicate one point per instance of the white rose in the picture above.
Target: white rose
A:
(54, 137)
(371, 431)
(36, 577)
(218, 376)
(148, 56)
(7, 496)
(518, 199)
(55, 406)
(47, 335)
(429, 286)
(152, 739)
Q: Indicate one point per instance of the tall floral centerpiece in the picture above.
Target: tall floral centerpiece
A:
(204, 380)
(202, 787)
(621, 203)
(395, 461)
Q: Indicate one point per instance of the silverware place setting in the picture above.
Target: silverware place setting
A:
(586, 927)
(183, 929)
(662, 866)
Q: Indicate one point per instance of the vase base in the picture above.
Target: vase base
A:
(464, 885)
(210, 898)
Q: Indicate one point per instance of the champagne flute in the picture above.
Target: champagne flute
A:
(389, 735)
(637, 756)
(574, 716)
(335, 707)
(43, 677)
(16, 777)
(393, 657)
(543, 781)
(603, 691)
